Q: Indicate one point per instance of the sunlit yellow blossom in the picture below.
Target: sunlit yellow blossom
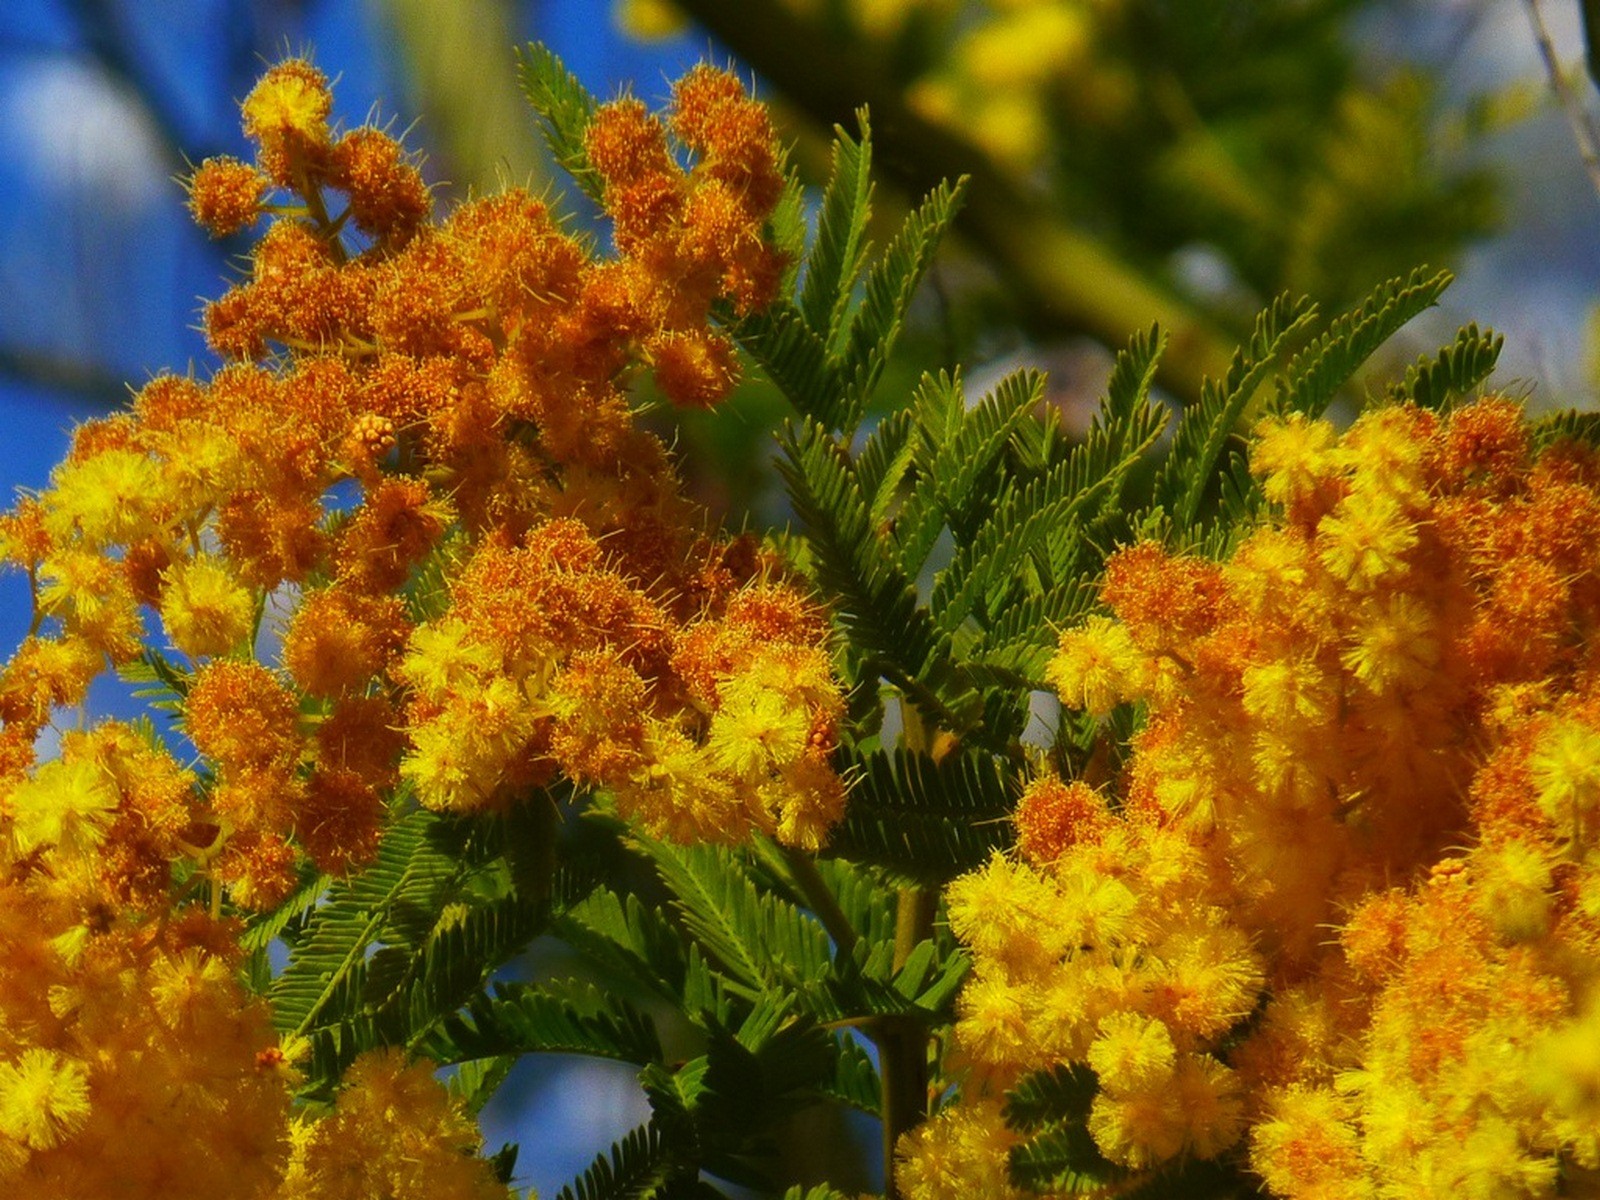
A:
(92, 596)
(959, 1154)
(1366, 540)
(106, 498)
(1292, 455)
(1565, 1069)
(1383, 453)
(1308, 1148)
(394, 1132)
(1566, 774)
(1010, 913)
(808, 797)
(291, 98)
(44, 1097)
(754, 728)
(1133, 1053)
(66, 805)
(1138, 1129)
(1096, 666)
(442, 656)
(1027, 46)
(459, 758)
(1394, 643)
(206, 610)
(1514, 888)
(1284, 694)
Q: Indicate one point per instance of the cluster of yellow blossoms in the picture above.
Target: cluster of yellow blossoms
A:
(1340, 914)
(420, 470)
(132, 1062)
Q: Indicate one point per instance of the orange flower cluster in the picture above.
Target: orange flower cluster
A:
(410, 533)
(469, 380)
(1364, 806)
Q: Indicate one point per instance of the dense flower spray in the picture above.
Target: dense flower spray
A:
(1340, 910)
(421, 465)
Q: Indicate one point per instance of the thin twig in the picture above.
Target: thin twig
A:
(1584, 131)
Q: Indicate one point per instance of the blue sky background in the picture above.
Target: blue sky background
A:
(101, 271)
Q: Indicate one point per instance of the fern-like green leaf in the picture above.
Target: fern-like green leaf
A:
(159, 682)
(262, 929)
(855, 1080)
(1197, 447)
(889, 287)
(945, 490)
(551, 1018)
(795, 358)
(876, 602)
(986, 570)
(787, 227)
(1580, 427)
(634, 942)
(1454, 371)
(822, 1191)
(1051, 1095)
(1319, 371)
(837, 253)
(1038, 526)
(476, 1080)
(1024, 638)
(327, 967)
(757, 939)
(635, 1169)
(1123, 430)
(924, 820)
(1063, 1159)
(882, 464)
(566, 107)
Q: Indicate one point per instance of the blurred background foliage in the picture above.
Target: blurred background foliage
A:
(1129, 161)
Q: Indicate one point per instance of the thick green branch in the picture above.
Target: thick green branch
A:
(1067, 281)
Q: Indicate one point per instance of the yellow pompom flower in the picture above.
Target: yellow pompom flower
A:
(1140, 1129)
(1307, 1146)
(461, 757)
(206, 610)
(960, 1154)
(92, 596)
(1566, 774)
(754, 728)
(1096, 666)
(1010, 914)
(104, 499)
(1133, 1053)
(1513, 889)
(1292, 456)
(1026, 48)
(1290, 693)
(443, 657)
(66, 805)
(291, 99)
(649, 20)
(44, 1097)
(394, 1131)
(1394, 644)
(1564, 1070)
(1366, 540)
